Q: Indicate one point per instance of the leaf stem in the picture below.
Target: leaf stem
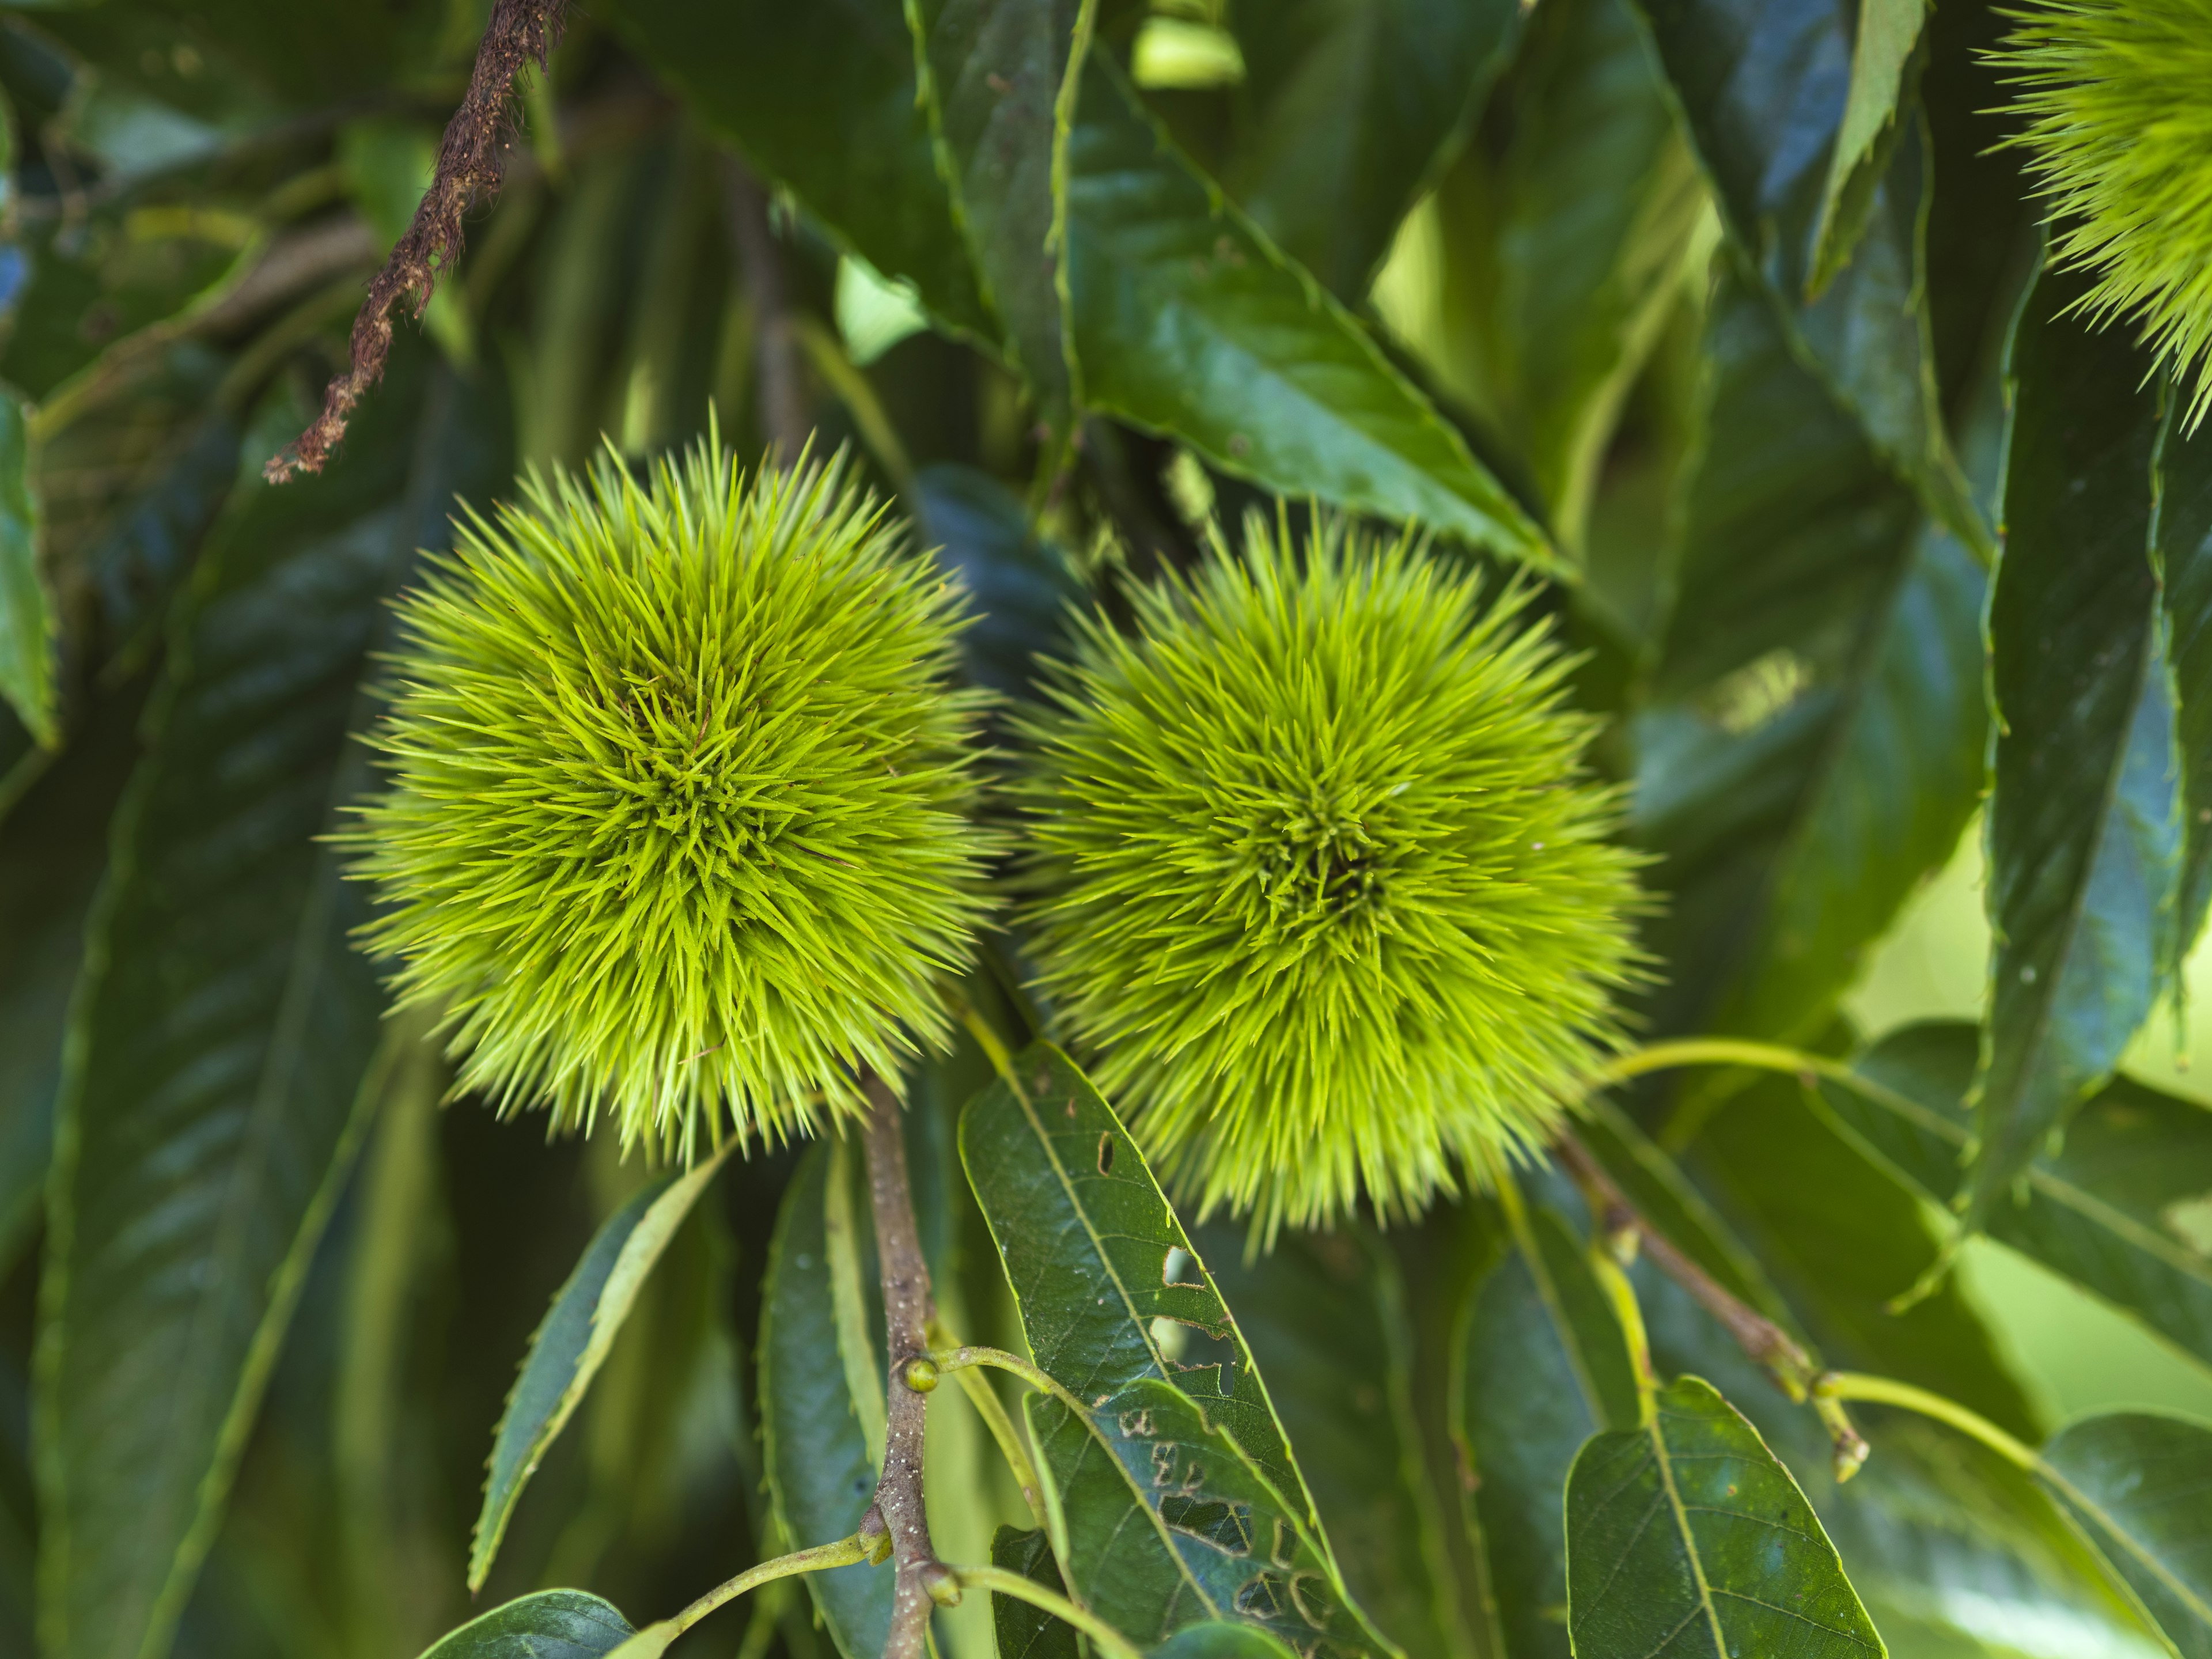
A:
(1718, 1051)
(1110, 1642)
(985, 1399)
(844, 1552)
(954, 1359)
(1888, 1391)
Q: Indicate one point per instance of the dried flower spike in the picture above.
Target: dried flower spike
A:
(2118, 97)
(1316, 873)
(676, 822)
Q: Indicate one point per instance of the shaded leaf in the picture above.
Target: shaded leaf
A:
(569, 1347)
(1882, 43)
(2181, 549)
(1160, 1490)
(1188, 321)
(225, 1033)
(1023, 1630)
(820, 1479)
(993, 73)
(2135, 1481)
(2084, 820)
(556, 1624)
(26, 618)
(1543, 1368)
(1222, 1641)
(823, 99)
(1019, 585)
(1347, 111)
(1325, 1316)
(1687, 1537)
(2115, 1208)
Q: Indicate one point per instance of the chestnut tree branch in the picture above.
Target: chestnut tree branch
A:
(521, 32)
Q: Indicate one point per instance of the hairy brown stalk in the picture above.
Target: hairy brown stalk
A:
(521, 32)
(898, 1509)
(1784, 1357)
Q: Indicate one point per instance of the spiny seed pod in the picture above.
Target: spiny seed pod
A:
(1316, 876)
(676, 825)
(2119, 137)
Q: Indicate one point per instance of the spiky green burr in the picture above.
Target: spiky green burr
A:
(675, 824)
(2119, 138)
(1317, 876)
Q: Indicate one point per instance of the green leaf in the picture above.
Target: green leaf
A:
(2118, 1208)
(994, 74)
(1188, 321)
(574, 1341)
(225, 1030)
(1222, 1640)
(1687, 1537)
(1348, 112)
(822, 100)
(2135, 1482)
(1174, 1497)
(1023, 1630)
(1019, 586)
(1542, 1369)
(2084, 825)
(820, 1479)
(1886, 34)
(27, 617)
(556, 1624)
(2181, 549)
(1325, 1316)
(1571, 248)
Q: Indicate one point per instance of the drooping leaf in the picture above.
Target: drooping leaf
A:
(1160, 1488)
(2181, 548)
(820, 1479)
(1567, 249)
(1346, 113)
(220, 1047)
(993, 74)
(1685, 1536)
(1025, 1630)
(2136, 1483)
(1886, 34)
(823, 99)
(1325, 1316)
(2084, 826)
(569, 1347)
(556, 1624)
(27, 617)
(1543, 1368)
(1188, 321)
(1019, 586)
(2119, 1207)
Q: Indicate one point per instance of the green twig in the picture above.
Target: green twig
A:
(1887, 1391)
(985, 1399)
(1110, 1642)
(954, 1359)
(844, 1552)
(1718, 1051)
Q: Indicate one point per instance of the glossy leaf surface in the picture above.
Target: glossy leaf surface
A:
(1687, 1537)
(558, 1624)
(2135, 1482)
(27, 619)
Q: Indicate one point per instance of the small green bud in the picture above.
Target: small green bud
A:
(1318, 877)
(921, 1375)
(676, 825)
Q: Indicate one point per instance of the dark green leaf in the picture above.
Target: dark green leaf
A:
(2181, 547)
(1222, 1641)
(570, 1346)
(1023, 1630)
(1324, 1315)
(26, 618)
(557, 1624)
(1887, 31)
(1019, 586)
(2137, 1483)
(1161, 1490)
(820, 1479)
(222, 1042)
(1544, 1368)
(822, 98)
(2084, 822)
(1188, 321)
(993, 73)
(1348, 110)
(2116, 1208)
(1686, 1536)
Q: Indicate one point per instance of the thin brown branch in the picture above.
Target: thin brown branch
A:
(922, 1579)
(521, 32)
(1624, 1229)
(782, 411)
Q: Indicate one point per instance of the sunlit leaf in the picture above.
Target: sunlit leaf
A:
(557, 1624)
